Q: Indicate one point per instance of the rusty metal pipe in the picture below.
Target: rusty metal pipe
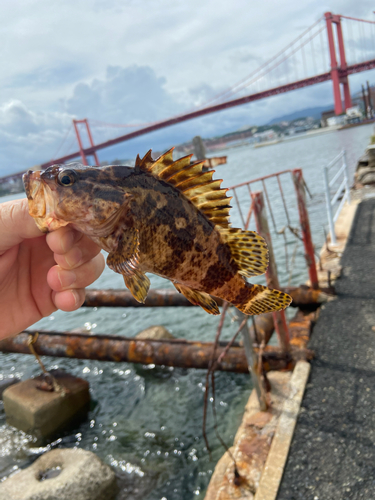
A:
(302, 296)
(272, 279)
(177, 353)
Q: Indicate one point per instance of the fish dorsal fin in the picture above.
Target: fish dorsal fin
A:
(147, 164)
(189, 178)
(248, 249)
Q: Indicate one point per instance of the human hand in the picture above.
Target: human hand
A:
(40, 273)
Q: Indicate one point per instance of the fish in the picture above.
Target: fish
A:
(165, 217)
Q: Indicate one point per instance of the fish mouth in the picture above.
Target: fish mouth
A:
(41, 201)
(35, 193)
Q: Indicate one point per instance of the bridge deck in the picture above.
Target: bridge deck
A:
(333, 450)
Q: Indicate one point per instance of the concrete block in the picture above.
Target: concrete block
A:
(63, 474)
(7, 382)
(42, 413)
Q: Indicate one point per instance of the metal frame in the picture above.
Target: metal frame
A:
(300, 186)
(343, 190)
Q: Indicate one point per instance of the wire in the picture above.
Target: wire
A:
(62, 142)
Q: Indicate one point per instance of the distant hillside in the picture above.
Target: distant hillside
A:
(302, 113)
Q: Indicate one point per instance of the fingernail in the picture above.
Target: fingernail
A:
(67, 278)
(74, 257)
(77, 299)
(67, 241)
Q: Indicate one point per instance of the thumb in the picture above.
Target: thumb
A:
(16, 224)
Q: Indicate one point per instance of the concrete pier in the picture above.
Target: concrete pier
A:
(333, 449)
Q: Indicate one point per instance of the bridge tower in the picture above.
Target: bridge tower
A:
(80, 144)
(339, 73)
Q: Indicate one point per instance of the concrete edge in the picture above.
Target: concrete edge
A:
(277, 456)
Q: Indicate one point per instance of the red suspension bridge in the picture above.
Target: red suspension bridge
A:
(316, 56)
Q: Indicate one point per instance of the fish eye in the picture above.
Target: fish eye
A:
(67, 177)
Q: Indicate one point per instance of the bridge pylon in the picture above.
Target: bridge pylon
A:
(81, 148)
(339, 73)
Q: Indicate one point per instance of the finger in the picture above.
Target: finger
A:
(16, 224)
(62, 279)
(83, 252)
(63, 239)
(69, 300)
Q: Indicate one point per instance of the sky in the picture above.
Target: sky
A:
(128, 62)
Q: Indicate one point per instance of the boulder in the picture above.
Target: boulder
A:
(157, 332)
(63, 474)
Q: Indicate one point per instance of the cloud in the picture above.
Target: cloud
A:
(28, 137)
(125, 95)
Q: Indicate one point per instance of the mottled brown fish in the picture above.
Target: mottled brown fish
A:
(163, 217)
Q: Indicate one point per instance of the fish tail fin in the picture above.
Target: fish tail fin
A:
(249, 250)
(260, 299)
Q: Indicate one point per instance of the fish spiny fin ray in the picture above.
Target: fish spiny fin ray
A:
(248, 249)
(264, 300)
(175, 167)
(145, 163)
(189, 178)
(125, 260)
(198, 298)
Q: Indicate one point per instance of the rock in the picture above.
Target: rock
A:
(157, 332)
(63, 474)
(42, 413)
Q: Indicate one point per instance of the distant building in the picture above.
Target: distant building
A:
(267, 135)
(336, 120)
(325, 116)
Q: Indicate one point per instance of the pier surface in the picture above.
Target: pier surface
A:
(333, 450)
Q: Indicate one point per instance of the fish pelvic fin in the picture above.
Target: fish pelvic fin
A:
(198, 298)
(189, 178)
(138, 284)
(125, 260)
(249, 251)
(261, 299)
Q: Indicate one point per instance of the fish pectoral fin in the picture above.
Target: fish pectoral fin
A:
(138, 284)
(125, 260)
(249, 251)
(198, 298)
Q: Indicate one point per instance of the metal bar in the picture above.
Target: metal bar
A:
(284, 203)
(305, 226)
(337, 175)
(302, 296)
(249, 214)
(239, 207)
(259, 179)
(329, 207)
(252, 361)
(342, 203)
(338, 192)
(335, 160)
(346, 176)
(271, 274)
(178, 353)
(269, 206)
